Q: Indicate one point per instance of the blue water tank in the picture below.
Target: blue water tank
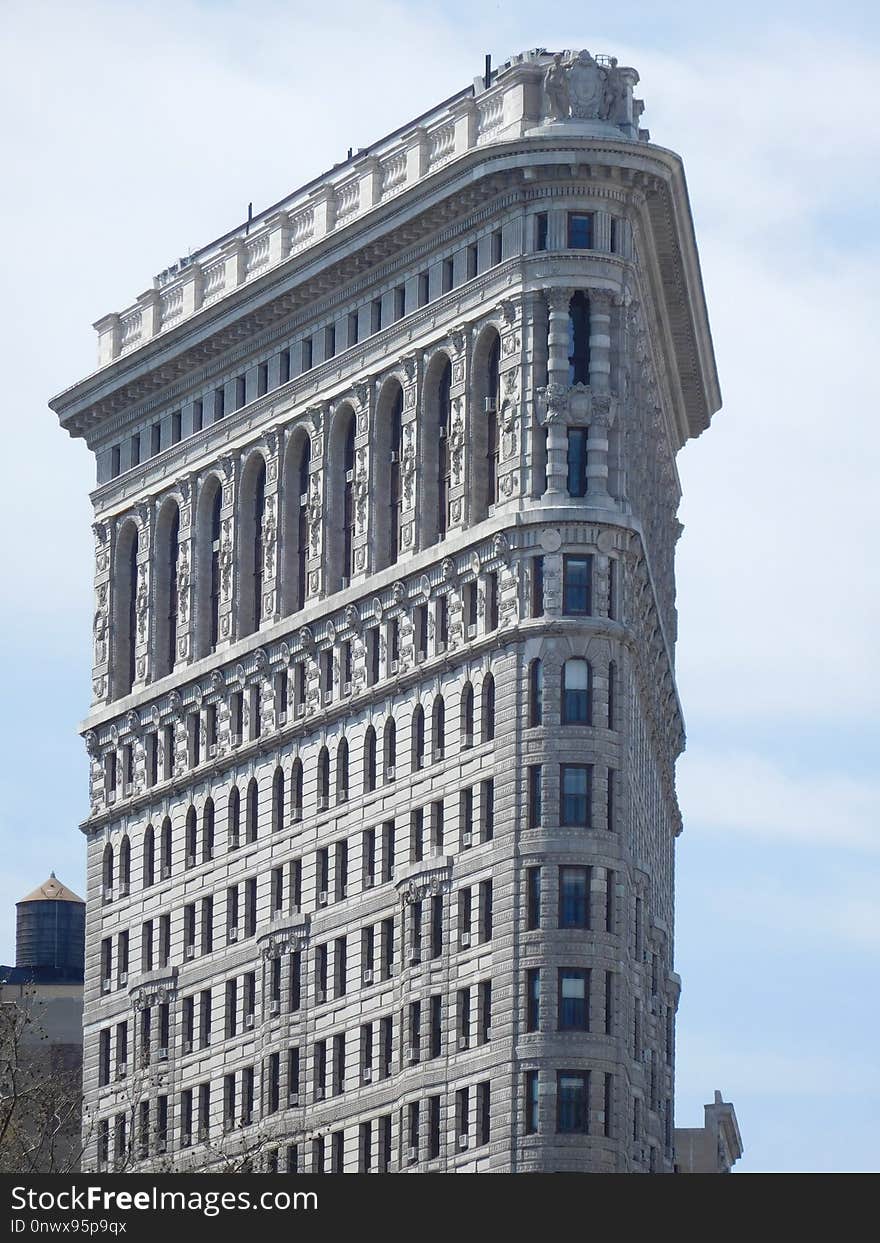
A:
(50, 932)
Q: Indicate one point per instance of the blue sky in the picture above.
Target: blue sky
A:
(132, 133)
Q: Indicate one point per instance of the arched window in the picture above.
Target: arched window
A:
(278, 800)
(208, 830)
(295, 545)
(389, 749)
(296, 791)
(124, 632)
(124, 866)
(342, 771)
(251, 514)
(323, 779)
(369, 760)
(438, 728)
(386, 476)
(466, 721)
(536, 694)
(576, 688)
(612, 693)
(166, 849)
(251, 811)
(418, 738)
(444, 465)
(192, 834)
(149, 856)
(579, 339)
(233, 819)
(487, 709)
(166, 596)
(107, 872)
(208, 570)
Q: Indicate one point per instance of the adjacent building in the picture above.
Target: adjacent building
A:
(382, 823)
(713, 1148)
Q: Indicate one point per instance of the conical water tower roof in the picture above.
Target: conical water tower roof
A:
(52, 890)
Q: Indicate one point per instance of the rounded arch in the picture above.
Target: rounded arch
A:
(107, 872)
(278, 799)
(166, 603)
(485, 411)
(295, 520)
(323, 779)
(433, 449)
(251, 512)
(487, 709)
(207, 574)
(124, 864)
(438, 727)
(149, 870)
(296, 790)
(342, 771)
(208, 817)
(466, 715)
(166, 849)
(124, 628)
(233, 819)
(252, 811)
(387, 494)
(389, 749)
(417, 730)
(369, 760)
(191, 836)
(339, 502)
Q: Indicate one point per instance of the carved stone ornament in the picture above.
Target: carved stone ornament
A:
(508, 310)
(226, 465)
(409, 366)
(362, 393)
(555, 402)
(175, 704)
(317, 417)
(457, 338)
(425, 586)
(261, 660)
(100, 531)
(307, 639)
(398, 593)
(378, 608)
(133, 723)
(239, 674)
(218, 682)
(284, 654)
(330, 632)
(92, 747)
(450, 573)
(476, 564)
(581, 88)
(501, 547)
(353, 618)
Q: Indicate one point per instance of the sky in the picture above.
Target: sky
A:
(132, 133)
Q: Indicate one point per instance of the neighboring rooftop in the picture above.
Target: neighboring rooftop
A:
(713, 1148)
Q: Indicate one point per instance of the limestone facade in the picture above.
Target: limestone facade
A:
(384, 721)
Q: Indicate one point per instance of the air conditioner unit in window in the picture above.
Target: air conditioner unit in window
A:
(228, 1124)
(345, 582)
(349, 476)
(108, 893)
(293, 1099)
(123, 889)
(467, 838)
(463, 1042)
(346, 688)
(368, 975)
(344, 891)
(106, 985)
(162, 1145)
(165, 871)
(304, 498)
(123, 979)
(163, 1055)
(415, 954)
(275, 1006)
(487, 1035)
(471, 632)
(322, 898)
(393, 666)
(390, 772)
(187, 1046)
(462, 1142)
(412, 1053)
(185, 1140)
(368, 882)
(248, 1020)
(323, 802)
(233, 934)
(467, 740)
(413, 1154)
(203, 1134)
(282, 718)
(122, 1070)
(190, 951)
(235, 740)
(421, 655)
(212, 751)
(320, 997)
(327, 697)
(367, 1074)
(464, 940)
(438, 754)
(441, 647)
(111, 796)
(319, 1093)
(395, 456)
(489, 405)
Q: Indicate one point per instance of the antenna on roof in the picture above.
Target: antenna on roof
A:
(247, 227)
(487, 76)
(350, 152)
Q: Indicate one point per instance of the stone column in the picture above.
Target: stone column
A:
(412, 366)
(185, 561)
(509, 416)
(101, 621)
(602, 416)
(270, 605)
(228, 613)
(600, 340)
(460, 422)
(143, 594)
(315, 560)
(366, 396)
(557, 386)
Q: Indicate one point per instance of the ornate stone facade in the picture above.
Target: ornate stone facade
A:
(384, 720)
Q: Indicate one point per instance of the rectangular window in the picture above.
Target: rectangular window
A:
(533, 999)
(448, 275)
(572, 1102)
(616, 234)
(530, 1093)
(115, 463)
(491, 602)
(376, 315)
(533, 898)
(306, 354)
(135, 456)
(580, 231)
(473, 261)
(219, 403)
(284, 366)
(176, 427)
(483, 1112)
(330, 341)
(198, 415)
(240, 391)
(574, 893)
(535, 799)
(353, 328)
(400, 302)
(262, 379)
(485, 910)
(577, 461)
(424, 288)
(541, 231)
(487, 809)
(576, 586)
(573, 1001)
(574, 795)
(155, 439)
(609, 803)
(497, 247)
(537, 586)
